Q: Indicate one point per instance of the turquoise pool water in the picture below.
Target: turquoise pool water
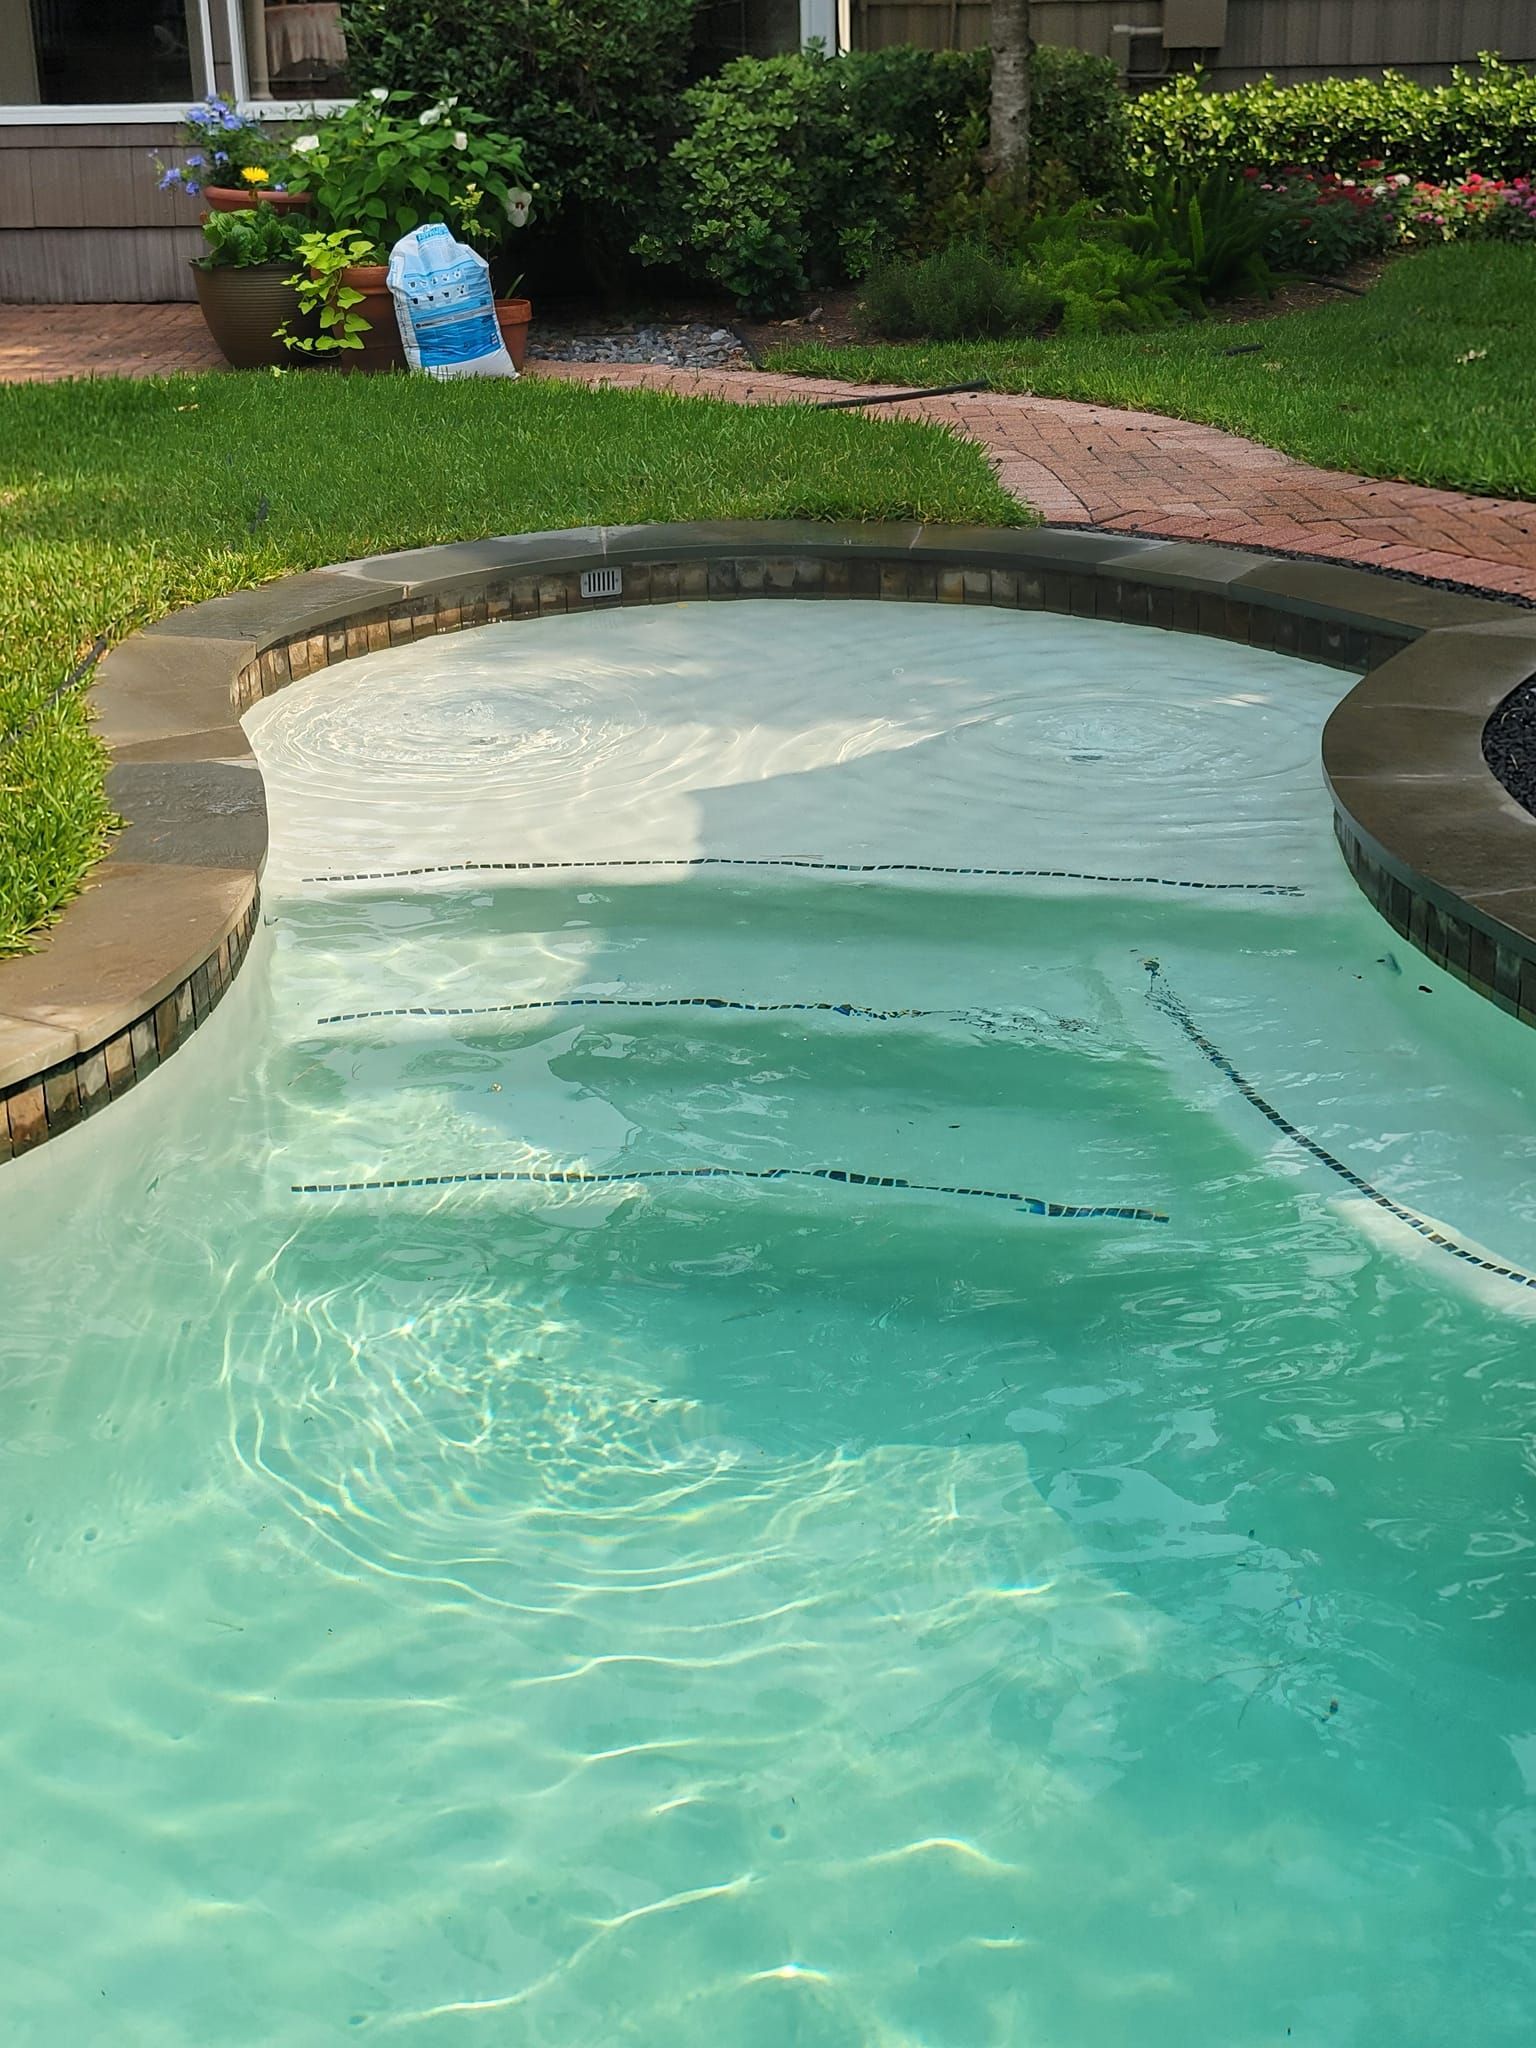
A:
(583, 1606)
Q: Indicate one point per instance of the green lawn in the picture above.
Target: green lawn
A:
(1431, 377)
(120, 500)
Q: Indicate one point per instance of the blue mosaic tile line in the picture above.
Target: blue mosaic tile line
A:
(828, 867)
(1032, 1205)
(1159, 993)
(981, 1018)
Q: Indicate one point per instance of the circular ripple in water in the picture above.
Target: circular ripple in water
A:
(831, 732)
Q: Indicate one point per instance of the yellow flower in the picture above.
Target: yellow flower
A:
(253, 174)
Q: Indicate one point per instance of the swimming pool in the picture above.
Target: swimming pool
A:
(801, 1362)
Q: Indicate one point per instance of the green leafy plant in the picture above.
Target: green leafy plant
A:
(379, 169)
(1215, 226)
(1105, 287)
(255, 235)
(959, 294)
(324, 293)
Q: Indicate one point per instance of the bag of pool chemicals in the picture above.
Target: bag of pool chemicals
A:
(443, 302)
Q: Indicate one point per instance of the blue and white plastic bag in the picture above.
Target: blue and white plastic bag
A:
(443, 302)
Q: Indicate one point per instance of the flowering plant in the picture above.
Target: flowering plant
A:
(376, 169)
(1478, 208)
(1320, 223)
(221, 147)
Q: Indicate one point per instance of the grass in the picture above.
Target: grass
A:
(1431, 377)
(121, 500)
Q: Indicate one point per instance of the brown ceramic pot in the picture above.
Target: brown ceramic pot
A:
(244, 306)
(382, 348)
(512, 317)
(236, 199)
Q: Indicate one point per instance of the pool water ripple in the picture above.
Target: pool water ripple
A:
(537, 1602)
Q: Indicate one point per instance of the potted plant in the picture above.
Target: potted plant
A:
(245, 285)
(343, 316)
(232, 162)
(512, 317)
(375, 170)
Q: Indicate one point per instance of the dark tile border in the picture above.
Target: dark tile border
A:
(149, 949)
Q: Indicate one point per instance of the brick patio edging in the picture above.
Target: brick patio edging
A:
(150, 948)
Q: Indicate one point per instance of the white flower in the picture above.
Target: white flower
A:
(460, 139)
(379, 92)
(518, 204)
(451, 102)
(431, 117)
(303, 144)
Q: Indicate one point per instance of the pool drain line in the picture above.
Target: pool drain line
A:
(1032, 1205)
(1163, 997)
(830, 867)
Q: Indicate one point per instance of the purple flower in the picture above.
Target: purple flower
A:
(194, 162)
(168, 178)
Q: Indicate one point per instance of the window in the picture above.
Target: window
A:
(101, 52)
(294, 49)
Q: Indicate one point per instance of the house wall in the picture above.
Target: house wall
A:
(80, 218)
(81, 221)
(1293, 39)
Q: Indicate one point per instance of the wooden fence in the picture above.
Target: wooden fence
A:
(1293, 39)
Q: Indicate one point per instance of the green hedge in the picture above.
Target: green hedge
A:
(592, 91)
(805, 170)
(1484, 120)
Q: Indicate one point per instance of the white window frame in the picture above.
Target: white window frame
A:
(163, 113)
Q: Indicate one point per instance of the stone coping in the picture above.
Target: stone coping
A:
(151, 946)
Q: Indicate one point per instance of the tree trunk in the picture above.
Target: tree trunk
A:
(1012, 46)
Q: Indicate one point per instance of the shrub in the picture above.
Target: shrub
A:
(1483, 120)
(593, 89)
(1102, 284)
(806, 169)
(1075, 272)
(1081, 122)
(1215, 227)
(963, 293)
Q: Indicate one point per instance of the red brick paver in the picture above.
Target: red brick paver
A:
(1077, 464)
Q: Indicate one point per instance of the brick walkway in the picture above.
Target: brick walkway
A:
(1077, 464)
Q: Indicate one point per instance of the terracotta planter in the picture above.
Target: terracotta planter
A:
(382, 348)
(512, 317)
(243, 307)
(234, 199)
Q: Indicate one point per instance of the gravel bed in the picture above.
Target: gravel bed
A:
(1509, 745)
(690, 345)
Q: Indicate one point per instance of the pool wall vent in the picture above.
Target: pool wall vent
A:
(602, 582)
